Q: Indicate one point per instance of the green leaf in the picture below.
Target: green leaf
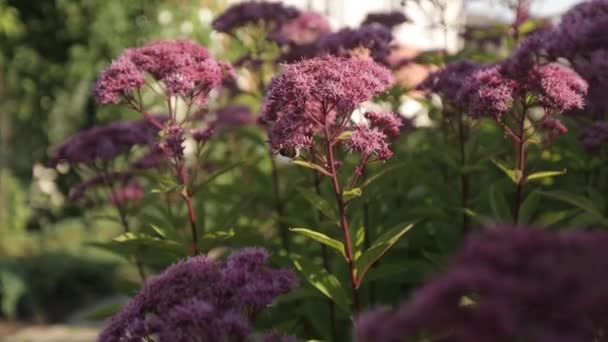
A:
(344, 135)
(12, 288)
(325, 282)
(544, 174)
(318, 202)
(498, 204)
(512, 174)
(378, 248)
(528, 207)
(322, 238)
(310, 166)
(352, 193)
(384, 171)
(209, 240)
(578, 201)
(220, 172)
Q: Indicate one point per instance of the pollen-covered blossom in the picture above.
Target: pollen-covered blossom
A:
(375, 38)
(183, 67)
(512, 284)
(368, 142)
(595, 136)
(388, 19)
(448, 82)
(104, 143)
(318, 93)
(272, 14)
(201, 299)
(486, 92)
(126, 194)
(306, 28)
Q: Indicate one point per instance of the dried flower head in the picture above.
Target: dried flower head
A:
(513, 291)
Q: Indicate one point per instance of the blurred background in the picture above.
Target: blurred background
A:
(52, 280)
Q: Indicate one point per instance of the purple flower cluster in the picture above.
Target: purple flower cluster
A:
(234, 115)
(487, 92)
(491, 91)
(375, 38)
(369, 141)
(448, 81)
(183, 67)
(511, 284)
(272, 14)
(595, 136)
(387, 19)
(318, 95)
(200, 299)
(104, 143)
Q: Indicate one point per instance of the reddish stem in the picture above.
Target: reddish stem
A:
(520, 144)
(187, 196)
(343, 221)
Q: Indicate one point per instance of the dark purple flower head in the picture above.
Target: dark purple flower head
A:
(595, 136)
(183, 67)
(581, 30)
(387, 19)
(369, 142)
(235, 115)
(389, 123)
(306, 28)
(152, 159)
(197, 320)
(486, 92)
(173, 145)
(203, 134)
(448, 82)
(528, 53)
(104, 143)
(200, 297)
(118, 80)
(271, 14)
(375, 38)
(520, 284)
(558, 87)
(317, 93)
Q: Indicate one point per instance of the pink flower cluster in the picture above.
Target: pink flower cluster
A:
(319, 94)
(182, 67)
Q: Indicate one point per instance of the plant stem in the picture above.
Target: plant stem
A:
(125, 226)
(343, 222)
(187, 196)
(464, 177)
(327, 266)
(521, 165)
(278, 204)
